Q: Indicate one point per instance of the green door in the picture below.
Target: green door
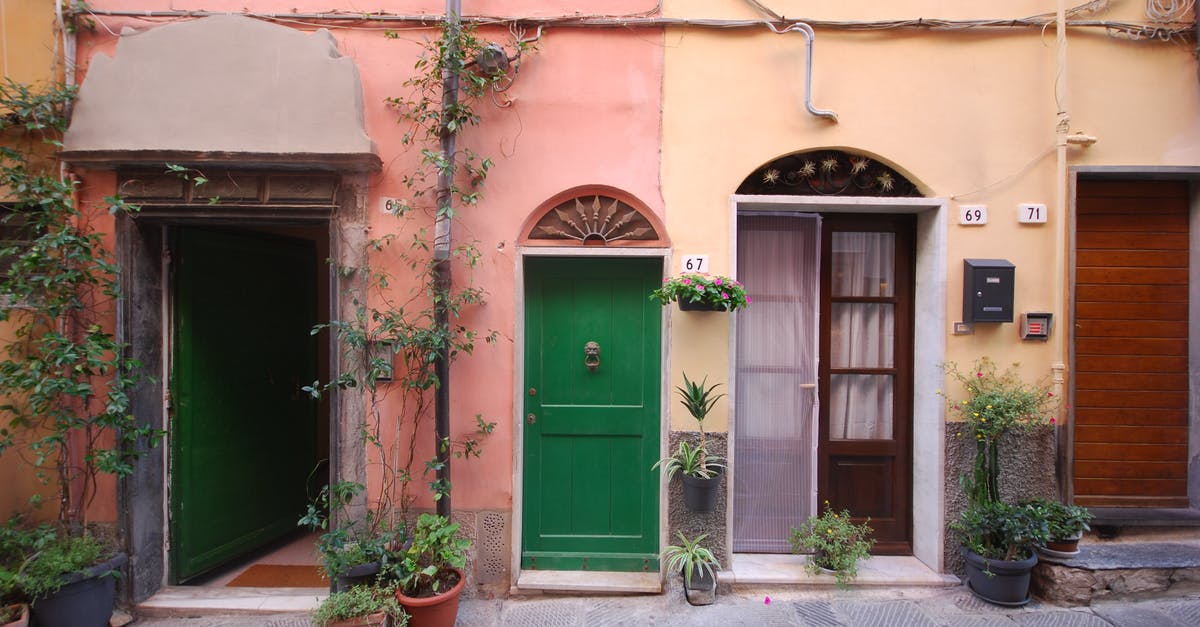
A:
(243, 436)
(591, 434)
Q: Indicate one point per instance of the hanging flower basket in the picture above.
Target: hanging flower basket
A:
(697, 291)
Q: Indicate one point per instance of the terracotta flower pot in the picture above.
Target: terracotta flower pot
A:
(378, 619)
(22, 613)
(435, 611)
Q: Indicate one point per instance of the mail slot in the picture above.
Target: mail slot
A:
(988, 290)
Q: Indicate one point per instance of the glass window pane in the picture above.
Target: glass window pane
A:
(860, 407)
(863, 264)
(862, 335)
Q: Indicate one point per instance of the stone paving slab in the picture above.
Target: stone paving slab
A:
(1136, 555)
(954, 607)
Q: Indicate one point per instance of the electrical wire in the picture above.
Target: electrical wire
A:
(346, 20)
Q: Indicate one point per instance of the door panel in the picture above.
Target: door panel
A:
(1131, 344)
(243, 436)
(591, 500)
(865, 463)
(775, 431)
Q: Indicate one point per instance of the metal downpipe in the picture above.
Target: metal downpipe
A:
(809, 35)
(441, 262)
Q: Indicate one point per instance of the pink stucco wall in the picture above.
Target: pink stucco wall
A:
(586, 107)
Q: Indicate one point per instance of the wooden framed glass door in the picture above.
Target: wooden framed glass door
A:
(865, 432)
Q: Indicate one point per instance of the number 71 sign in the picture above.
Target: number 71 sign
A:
(1031, 213)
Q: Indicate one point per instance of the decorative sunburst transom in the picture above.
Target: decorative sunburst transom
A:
(599, 222)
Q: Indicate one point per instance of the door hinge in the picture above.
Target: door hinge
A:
(645, 565)
(533, 563)
(585, 563)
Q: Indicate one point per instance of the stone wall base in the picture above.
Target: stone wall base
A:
(1066, 585)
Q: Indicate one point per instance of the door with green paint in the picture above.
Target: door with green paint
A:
(243, 435)
(592, 414)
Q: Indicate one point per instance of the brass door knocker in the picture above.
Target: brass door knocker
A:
(591, 355)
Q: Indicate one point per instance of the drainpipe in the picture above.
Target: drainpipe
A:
(1058, 367)
(809, 35)
(441, 263)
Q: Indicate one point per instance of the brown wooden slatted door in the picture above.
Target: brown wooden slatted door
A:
(1131, 339)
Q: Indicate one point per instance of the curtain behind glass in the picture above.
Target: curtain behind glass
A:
(777, 343)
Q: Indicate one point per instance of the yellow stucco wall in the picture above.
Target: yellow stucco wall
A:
(27, 55)
(968, 115)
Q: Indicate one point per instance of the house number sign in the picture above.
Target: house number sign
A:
(695, 263)
(972, 215)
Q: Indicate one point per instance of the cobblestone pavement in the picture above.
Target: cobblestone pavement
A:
(824, 608)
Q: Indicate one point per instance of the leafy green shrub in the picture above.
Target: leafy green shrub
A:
(690, 557)
(836, 542)
(361, 601)
(426, 566)
(1063, 521)
(1000, 531)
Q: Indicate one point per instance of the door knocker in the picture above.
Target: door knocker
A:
(591, 355)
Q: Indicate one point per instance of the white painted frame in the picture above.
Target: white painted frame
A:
(518, 494)
(929, 350)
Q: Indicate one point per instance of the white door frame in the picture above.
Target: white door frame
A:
(929, 349)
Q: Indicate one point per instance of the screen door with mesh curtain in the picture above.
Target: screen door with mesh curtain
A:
(775, 435)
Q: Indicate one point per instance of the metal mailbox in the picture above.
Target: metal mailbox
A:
(988, 290)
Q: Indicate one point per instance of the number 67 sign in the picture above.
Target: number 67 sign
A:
(695, 263)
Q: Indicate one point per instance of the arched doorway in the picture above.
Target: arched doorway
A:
(824, 362)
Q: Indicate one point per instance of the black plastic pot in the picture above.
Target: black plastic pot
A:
(1000, 582)
(360, 575)
(700, 495)
(85, 600)
(703, 588)
(700, 305)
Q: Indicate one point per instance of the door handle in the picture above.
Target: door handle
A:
(591, 355)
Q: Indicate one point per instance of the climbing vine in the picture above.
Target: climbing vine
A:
(393, 340)
(65, 376)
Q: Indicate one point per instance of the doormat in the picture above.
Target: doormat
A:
(281, 576)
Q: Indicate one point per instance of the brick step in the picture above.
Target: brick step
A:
(1120, 570)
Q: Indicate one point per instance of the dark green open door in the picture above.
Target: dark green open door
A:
(591, 434)
(243, 436)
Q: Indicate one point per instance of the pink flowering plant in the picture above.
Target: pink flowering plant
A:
(996, 402)
(720, 292)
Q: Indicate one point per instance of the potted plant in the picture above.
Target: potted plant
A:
(995, 404)
(429, 571)
(695, 564)
(699, 291)
(358, 549)
(836, 543)
(998, 538)
(361, 606)
(997, 544)
(1066, 524)
(14, 615)
(701, 472)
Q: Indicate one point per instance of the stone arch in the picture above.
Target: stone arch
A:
(829, 172)
(593, 215)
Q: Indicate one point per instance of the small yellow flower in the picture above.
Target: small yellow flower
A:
(829, 531)
(983, 420)
(989, 406)
(964, 402)
(958, 434)
(976, 414)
